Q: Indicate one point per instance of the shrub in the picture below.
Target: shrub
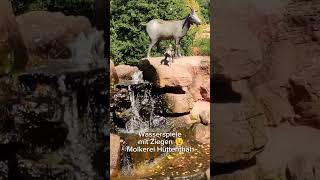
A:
(204, 6)
(68, 7)
(203, 45)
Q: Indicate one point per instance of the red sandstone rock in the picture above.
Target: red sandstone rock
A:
(125, 72)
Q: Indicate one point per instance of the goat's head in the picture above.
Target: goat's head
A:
(194, 19)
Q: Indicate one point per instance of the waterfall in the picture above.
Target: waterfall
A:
(76, 151)
(88, 50)
(142, 114)
(137, 77)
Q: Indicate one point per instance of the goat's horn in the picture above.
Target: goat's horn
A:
(190, 7)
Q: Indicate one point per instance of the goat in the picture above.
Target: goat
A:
(158, 30)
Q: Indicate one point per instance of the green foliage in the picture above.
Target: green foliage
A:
(203, 45)
(129, 39)
(204, 8)
(68, 7)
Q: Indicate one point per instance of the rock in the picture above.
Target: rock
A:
(303, 167)
(125, 72)
(205, 90)
(178, 103)
(275, 100)
(113, 74)
(13, 53)
(201, 107)
(178, 74)
(205, 117)
(201, 133)
(115, 148)
(51, 39)
(235, 136)
(239, 53)
(195, 88)
(182, 121)
(28, 169)
(249, 173)
(238, 133)
(285, 144)
(275, 48)
(247, 64)
(304, 92)
(200, 88)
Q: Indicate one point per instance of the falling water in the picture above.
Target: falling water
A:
(76, 150)
(137, 77)
(88, 50)
(142, 111)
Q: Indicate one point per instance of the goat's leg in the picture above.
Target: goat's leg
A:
(178, 51)
(153, 42)
(177, 48)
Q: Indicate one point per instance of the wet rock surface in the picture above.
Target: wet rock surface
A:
(178, 103)
(54, 123)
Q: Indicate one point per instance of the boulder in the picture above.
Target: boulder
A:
(205, 90)
(177, 74)
(50, 39)
(195, 87)
(274, 98)
(200, 88)
(183, 121)
(113, 74)
(178, 103)
(201, 112)
(13, 53)
(201, 133)
(115, 148)
(238, 131)
(303, 167)
(286, 145)
(125, 72)
(205, 117)
(304, 92)
(235, 135)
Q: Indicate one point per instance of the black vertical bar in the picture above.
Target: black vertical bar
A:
(105, 22)
(212, 90)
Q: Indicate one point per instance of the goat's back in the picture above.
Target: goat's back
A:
(158, 28)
